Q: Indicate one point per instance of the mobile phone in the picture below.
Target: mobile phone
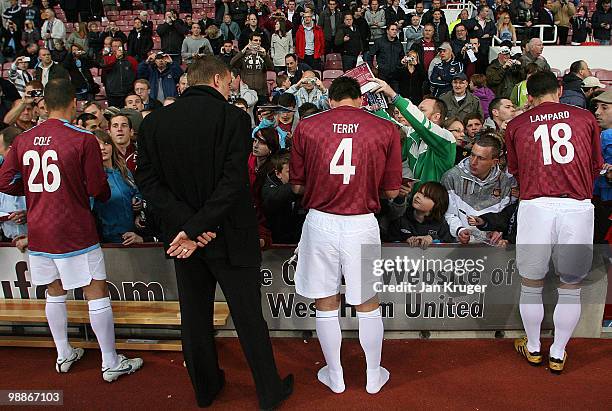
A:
(408, 180)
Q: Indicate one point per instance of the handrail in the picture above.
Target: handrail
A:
(541, 28)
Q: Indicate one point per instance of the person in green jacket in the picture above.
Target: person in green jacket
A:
(428, 150)
(518, 96)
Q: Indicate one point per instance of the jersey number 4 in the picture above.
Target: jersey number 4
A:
(346, 169)
(32, 157)
(549, 154)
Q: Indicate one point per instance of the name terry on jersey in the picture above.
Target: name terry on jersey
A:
(549, 116)
(345, 128)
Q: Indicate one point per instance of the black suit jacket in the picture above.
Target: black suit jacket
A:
(192, 167)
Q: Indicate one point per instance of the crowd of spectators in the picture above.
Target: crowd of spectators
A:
(450, 103)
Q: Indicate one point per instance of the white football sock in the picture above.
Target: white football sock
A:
(371, 333)
(532, 313)
(330, 339)
(565, 318)
(101, 317)
(55, 309)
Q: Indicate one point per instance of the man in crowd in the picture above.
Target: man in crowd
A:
(121, 131)
(459, 101)
(253, 63)
(533, 54)
(134, 102)
(13, 228)
(310, 90)
(476, 186)
(119, 73)
(199, 197)
(426, 47)
(48, 69)
(504, 73)
(95, 109)
(252, 27)
(376, 19)
(142, 88)
(87, 121)
(330, 20)
(172, 33)
(348, 41)
(501, 111)
(163, 73)
(555, 216)
(414, 32)
(73, 158)
(436, 5)
(294, 69)
(329, 190)
(572, 84)
(310, 42)
(442, 73)
(52, 29)
(473, 125)
(139, 42)
(603, 185)
(389, 52)
(238, 89)
(112, 30)
(229, 29)
(19, 75)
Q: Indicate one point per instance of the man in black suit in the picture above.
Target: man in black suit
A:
(192, 166)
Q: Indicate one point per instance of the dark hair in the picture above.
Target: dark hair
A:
(280, 79)
(85, 117)
(454, 33)
(344, 87)
(292, 55)
(479, 80)
(59, 94)
(118, 162)
(532, 68)
(279, 160)
(228, 41)
(347, 13)
(282, 27)
(307, 109)
(495, 104)
(9, 134)
(576, 66)
(439, 195)
(241, 101)
(480, 7)
(472, 116)
(121, 115)
(203, 70)
(255, 34)
(439, 106)
(137, 18)
(115, 39)
(36, 84)
(287, 100)
(133, 94)
(490, 139)
(541, 83)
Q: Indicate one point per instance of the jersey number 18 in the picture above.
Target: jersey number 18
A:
(549, 154)
(34, 158)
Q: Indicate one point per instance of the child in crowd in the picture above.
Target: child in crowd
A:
(423, 222)
(282, 84)
(478, 87)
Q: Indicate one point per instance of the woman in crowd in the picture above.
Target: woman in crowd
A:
(215, 38)
(478, 87)
(455, 126)
(505, 29)
(423, 223)
(116, 216)
(411, 77)
(79, 36)
(281, 44)
(31, 34)
(581, 27)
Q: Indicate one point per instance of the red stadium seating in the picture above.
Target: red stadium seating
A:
(332, 74)
(333, 56)
(333, 65)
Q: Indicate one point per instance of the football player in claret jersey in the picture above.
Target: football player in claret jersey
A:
(342, 160)
(554, 153)
(58, 167)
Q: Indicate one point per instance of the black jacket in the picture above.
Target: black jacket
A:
(172, 36)
(192, 166)
(412, 85)
(599, 18)
(388, 55)
(282, 210)
(504, 222)
(407, 226)
(139, 46)
(56, 71)
(351, 47)
(80, 77)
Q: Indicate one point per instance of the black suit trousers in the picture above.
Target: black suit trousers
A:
(197, 279)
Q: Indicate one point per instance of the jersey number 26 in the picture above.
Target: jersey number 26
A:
(34, 158)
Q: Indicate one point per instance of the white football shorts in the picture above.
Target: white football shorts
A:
(331, 248)
(73, 270)
(561, 228)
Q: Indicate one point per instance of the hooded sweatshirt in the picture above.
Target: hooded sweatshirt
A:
(485, 95)
(470, 196)
(572, 91)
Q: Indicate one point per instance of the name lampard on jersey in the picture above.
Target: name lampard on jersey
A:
(537, 118)
(340, 128)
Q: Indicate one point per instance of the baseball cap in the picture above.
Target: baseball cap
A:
(445, 46)
(504, 50)
(592, 82)
(460, 76)
(605, 97)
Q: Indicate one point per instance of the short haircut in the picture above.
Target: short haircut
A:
(532, 68)
(255, 34)
(144, 82)
(479, 80)
(117, 39)
(292, 55)
(344, 87)
(495, 104)
(281, 158)
(114, 116)
(35, 84)
(92, 103)
(280, 79)
(449, 121)
(59, 94)
(439, 195)
(489, 139)
(85, 117)
(9, 134)
(576, 66)
(133, 95)
(542, 83)
(480, 7)
(242, 102)
(228, 42)
(307, 109)
(429, 24)
(235, 71)
(287, 100)
(204, 69)
(472, 116)
(439, 106)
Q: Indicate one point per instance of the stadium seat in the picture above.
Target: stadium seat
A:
(557, 72)
(332, 74)
(327, 83)
(603, 75)
(333, 57)
(333, 65)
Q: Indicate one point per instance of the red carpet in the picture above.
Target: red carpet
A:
(441, 374)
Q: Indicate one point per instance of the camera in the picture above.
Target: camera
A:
(411, 60)
(36, 93)
(469, 47)
(25, 60)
